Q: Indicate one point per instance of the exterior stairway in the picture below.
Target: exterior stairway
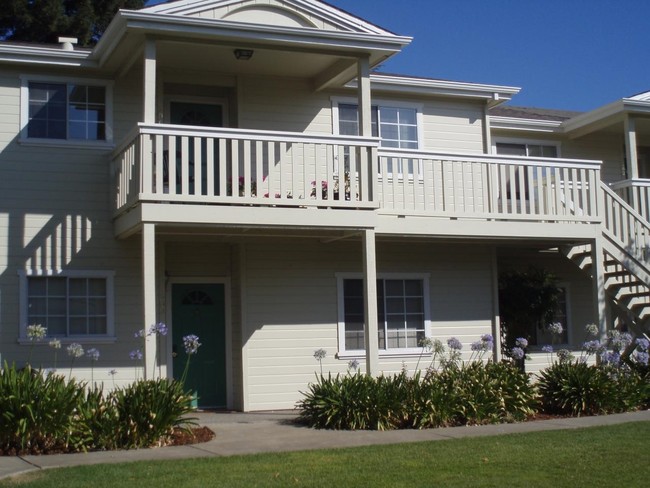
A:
(626, 261)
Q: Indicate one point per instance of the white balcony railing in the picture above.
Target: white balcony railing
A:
(184, 164)
(487, 186)
(636, 193)
(169, 163)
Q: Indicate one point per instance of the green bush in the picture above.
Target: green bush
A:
(148, 411)
(38, 411)
(44, 412)
(575, 388)
(475, 393)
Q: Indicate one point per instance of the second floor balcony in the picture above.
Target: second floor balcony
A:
(161, 165)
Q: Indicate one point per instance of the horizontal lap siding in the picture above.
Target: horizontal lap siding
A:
(55, 215)
(292, 307)
(453, 126)
(608, 148)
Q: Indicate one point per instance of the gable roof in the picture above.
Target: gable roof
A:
(317, 13)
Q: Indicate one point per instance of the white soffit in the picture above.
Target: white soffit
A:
(529, 125)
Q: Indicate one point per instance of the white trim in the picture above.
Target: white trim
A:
(225, 281)
(108, 275)
(383, 353)
(529, 125)
(24, 111)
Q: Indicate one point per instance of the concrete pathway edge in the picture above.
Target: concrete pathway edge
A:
(249, 433)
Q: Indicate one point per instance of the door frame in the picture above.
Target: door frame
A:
(197, 99)
(202, 280)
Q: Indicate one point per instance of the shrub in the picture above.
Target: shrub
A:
(147, 412)
(38, 411)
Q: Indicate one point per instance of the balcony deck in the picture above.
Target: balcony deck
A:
(266, 178)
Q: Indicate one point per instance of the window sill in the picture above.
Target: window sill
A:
(64, 143)
(394, 353)
(23, 341)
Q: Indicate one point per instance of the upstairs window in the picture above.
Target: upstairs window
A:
(395, 126)
(530, 150)
(66, 111)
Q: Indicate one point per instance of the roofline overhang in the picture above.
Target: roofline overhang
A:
(493, 94)
(605, 115)
(22, 54)
(352, 44)
(529, 125)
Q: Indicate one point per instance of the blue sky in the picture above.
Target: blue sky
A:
(565, 54)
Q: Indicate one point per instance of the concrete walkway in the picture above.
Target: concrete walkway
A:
(248, 433)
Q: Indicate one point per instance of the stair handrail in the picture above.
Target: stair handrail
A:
(627, 228)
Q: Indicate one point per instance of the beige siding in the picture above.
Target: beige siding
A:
(453, 126)
(283, 104)
(292, 307)
(606, 147)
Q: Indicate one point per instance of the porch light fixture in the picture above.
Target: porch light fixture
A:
(243, 54)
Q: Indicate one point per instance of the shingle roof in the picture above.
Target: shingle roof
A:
(533, 113)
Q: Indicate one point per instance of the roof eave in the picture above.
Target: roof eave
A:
(613, 110)
(493, 94)
(522, 124)
(21, 54)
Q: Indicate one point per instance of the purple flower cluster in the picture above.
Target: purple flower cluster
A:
(136, 355)
(454, 344)
(593, 347)
(158, 329)
(521, 342)
(191, 344)
(517, 353)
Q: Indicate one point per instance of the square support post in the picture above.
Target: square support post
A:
(598, 283)
(630, 148)
(149, 82)
(149, 297)
(370, 302)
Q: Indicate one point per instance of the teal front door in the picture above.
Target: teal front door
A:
(200, 309)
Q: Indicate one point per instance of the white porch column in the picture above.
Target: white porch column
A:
(370, 302)
(496, 316)
(630, 148)
(149, 297)
(598, 284)
(363, 94)
(149, 82)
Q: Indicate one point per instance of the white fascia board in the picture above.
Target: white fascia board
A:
(10, 53)
(529, 125)
(353, 42)
(619, 107)
(423, 86)
(326, 12)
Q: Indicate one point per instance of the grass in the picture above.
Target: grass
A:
(598, 456)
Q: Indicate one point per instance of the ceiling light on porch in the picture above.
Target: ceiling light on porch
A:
(243, 54)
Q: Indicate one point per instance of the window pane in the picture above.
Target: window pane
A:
(37, 286)
(56, 326)
(56, 306)
(408, 116)
(395, 305)
(511, 149)
(414, 305)
(97, 325)
(78, 326)
(97, 287)
(388, 114)
(408, 133)
(394, 288)
(56, 286)
(413, 287)
(78, 287)
(37, 306)
(78, 306)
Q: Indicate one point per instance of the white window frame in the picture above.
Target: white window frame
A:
(77, 143)
(418, 107)
(109, 276)
(395, 352)
(527, 142)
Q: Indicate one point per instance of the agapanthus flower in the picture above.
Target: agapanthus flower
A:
(641, 357)
(592, 347)
(454, 344)
(438, 347)
(619, 341)
(555, 328)
(547, 348)
(75, 350)
(140, 333)
(564, 355)
(320, 354)
(517, 353)
(191, 344)
(521, 342)
(353, 365)
(487, 338)
(426, 343)
(158, 329)
(610, 357)
(93, 354)
(55, 344)
(591, 329)
(642, 344)
(36, 332)
(136, 354)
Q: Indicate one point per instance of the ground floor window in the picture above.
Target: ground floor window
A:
(68, 305)
(402, 306)
(543, 336)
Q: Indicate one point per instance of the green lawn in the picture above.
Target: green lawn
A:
(599, 456)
